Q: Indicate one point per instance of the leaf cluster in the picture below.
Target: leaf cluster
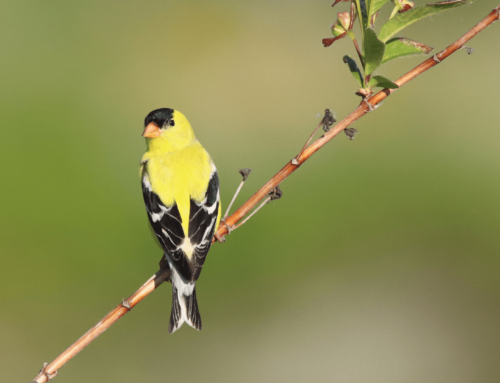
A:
(378, 49)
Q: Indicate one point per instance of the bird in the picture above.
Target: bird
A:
(180, 186)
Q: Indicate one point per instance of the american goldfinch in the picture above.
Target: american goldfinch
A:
(181, 191)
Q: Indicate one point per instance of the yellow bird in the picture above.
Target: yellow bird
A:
(181, 191)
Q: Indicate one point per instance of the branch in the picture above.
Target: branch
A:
(359, 112)
(49, 371)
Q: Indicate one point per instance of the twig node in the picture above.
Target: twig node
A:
(43, 372)
(229, 227)
(370, 106)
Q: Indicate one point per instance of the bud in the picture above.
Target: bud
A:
(364, 93)
(342, 25)
(345, 19)
(403, 5)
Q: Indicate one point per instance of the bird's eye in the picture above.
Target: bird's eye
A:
(171, 123)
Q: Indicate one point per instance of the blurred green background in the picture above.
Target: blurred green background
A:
(379, 264)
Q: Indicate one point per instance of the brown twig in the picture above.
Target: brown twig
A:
(244, 173)
(360, 111)
(359, 52)
(327, 121)
(49, 371)
(274, 194)
(297, 157)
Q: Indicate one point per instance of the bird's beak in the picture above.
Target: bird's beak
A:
(151, 131)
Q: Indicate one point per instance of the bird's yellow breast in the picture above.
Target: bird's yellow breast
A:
(179, 176)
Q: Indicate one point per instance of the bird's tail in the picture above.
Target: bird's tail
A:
(184, 309)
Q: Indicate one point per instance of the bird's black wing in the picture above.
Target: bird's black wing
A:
(167, 225)
(202, 223)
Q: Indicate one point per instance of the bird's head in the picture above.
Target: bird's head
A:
(167, 130)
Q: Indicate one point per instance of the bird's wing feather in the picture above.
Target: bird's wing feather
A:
(166, 221)
(167, 224)
(203, 220)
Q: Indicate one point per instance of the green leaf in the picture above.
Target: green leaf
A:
(373, 51)
(353, 67)
(382, 82)
(402, 20)
(376, 5)
(364, 11)
(400, 47)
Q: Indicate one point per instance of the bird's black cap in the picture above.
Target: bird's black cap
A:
(159, 116)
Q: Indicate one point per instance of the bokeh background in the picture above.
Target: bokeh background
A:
(379, 264)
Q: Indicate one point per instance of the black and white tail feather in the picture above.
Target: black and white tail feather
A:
(184, 303)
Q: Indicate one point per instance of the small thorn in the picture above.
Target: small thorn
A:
(469, 50)
(275, 194)
(126, 304)
(49, 376)
(350, 132)
(245, 173)
(295, 162)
